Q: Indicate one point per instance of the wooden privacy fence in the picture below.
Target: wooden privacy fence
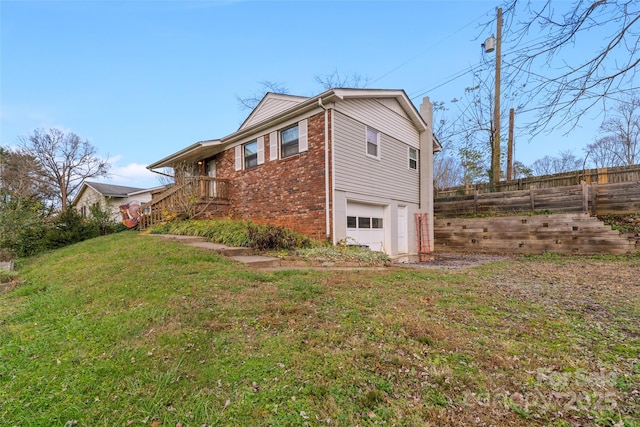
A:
(595, 199)
(590, 176)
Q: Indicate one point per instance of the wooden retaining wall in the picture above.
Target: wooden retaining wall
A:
(562, 233)
(596, 199)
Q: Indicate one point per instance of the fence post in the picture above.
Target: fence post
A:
(594, 199)
(475, 202)
(532, 191)
(585, 196)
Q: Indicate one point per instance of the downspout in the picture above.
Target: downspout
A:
(326, 173)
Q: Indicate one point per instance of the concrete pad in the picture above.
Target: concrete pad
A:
(257, 261)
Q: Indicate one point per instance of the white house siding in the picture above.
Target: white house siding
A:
(342, 202)
(358, 177)
(90, 197)
(269, 108)
(386, 115)
(356, 172)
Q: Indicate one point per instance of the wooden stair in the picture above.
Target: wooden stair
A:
(561, 233)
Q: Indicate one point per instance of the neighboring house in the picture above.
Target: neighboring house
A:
(110, 197)
(348, 165)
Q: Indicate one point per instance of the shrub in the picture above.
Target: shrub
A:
(236, 233)
(67, 228)
(22, 229)
(102, 221)
(263, 237)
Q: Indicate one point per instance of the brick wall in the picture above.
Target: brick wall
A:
(289, 192)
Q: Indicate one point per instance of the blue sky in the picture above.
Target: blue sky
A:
(143, 79)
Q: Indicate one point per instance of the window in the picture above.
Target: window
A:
(413, 158)
(373, 148)
(250, 154)
(289, 142)
(364, 222)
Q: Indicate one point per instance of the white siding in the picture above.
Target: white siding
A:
(112, 204)
(389, 177)
(385, 115)
(270, 108)
(343, 199)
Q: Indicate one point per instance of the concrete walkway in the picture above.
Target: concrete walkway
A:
(242, 255)
(246, 257)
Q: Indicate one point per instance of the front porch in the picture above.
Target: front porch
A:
(193, 197)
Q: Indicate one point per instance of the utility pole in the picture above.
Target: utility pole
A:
(495, 158)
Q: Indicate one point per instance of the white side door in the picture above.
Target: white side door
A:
(211, 172)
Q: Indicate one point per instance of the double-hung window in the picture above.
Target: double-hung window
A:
(373, 143)
(289, 142)
(250, 154)
(413, 158)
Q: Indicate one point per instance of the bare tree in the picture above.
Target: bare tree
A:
(549, 165)
(471, 131)
(620, 145)
(326, 81)
(337, 80)
(601, 153)
(447, 172)
(521, 171)
(250, 102)
(65, 159)
(21, 178)
(571, 85)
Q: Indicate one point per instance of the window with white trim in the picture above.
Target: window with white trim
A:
(373, 143)
(413, 158)
(250, 150)
(289, 142)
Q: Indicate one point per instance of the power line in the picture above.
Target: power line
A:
(423, 52)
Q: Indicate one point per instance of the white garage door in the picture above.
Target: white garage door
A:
(365, 225)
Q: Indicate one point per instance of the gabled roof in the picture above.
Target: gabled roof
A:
(111, 190)
(270, 105)
(274, 109)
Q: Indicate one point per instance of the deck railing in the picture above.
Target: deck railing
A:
(184, 199)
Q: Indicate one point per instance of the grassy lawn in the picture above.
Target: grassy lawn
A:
(127, 330)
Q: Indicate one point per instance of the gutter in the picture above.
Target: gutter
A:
(326, 172)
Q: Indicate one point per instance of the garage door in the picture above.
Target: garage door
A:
(365, 225)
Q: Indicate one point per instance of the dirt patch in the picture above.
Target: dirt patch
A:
(457, 261)
(590, 287)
